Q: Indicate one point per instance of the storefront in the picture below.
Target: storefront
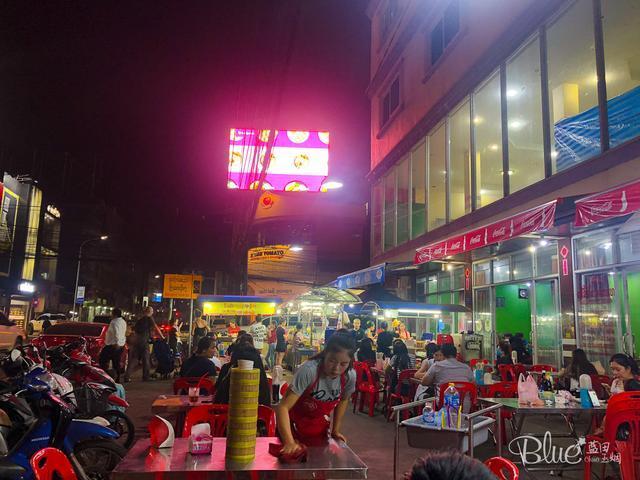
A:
(607, 272)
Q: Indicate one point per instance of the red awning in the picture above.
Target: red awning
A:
(535, 220)
(615, 202)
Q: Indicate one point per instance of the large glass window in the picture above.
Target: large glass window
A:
(459, 166)
(482, 273)
(621, 26)
(547, 260)
(403, 201)
(524, 118)
(389, 210)
(522, 265)
(594, 250)
(418, 190)
(488, 138)
(437, 178)
(629, 247)
(501, 271)
(376, 219)
(573, 96)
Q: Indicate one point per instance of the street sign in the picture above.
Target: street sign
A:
(80, 295)
(182, 286)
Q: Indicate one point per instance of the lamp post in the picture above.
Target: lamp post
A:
(75, 291)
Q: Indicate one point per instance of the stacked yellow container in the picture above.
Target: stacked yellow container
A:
(243, 415)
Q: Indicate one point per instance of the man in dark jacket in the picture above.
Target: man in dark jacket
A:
(139, 343)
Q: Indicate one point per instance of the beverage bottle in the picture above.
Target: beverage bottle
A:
(451, 402)
(428, 414)
(479, 374)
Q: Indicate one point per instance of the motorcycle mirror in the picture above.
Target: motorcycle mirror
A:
(15, 355)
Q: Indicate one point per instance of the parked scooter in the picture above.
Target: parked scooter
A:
(39, 418)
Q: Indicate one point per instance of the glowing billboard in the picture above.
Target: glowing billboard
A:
(299, 160)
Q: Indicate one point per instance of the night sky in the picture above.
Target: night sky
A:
(151, 88)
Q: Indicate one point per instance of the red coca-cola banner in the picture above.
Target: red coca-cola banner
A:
(613, 203)
(535, 220)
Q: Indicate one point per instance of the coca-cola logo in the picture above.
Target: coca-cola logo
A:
(456, 245)
(475, 239)
(499, 232)
(605, 207)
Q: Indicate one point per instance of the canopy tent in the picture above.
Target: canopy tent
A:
(410, 309)
(328, 295)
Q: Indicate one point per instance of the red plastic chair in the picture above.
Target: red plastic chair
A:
(622, 409)
(474, 361)
(627, 463)
(50, 463)
(181, 385)
(404, 380)
(283, 389)
(510, 373)
(502, 390)
(502, 468)
(543, 367)
(464, 389)
(443, 338)
(367, 387)
(216, 416)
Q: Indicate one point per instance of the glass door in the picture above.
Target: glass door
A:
(631, 305)
(546, 326)
(483, 320)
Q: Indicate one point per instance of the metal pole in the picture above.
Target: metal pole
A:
(75, 292)
(170, 309)
(191, 317)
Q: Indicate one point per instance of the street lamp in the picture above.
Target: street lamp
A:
(75, 292)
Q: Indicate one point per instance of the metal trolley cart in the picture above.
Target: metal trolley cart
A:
(475, 431)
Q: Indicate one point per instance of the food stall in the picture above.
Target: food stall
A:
(424, 321)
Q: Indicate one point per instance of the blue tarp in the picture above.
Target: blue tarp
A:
(577, 138)
(366, 276)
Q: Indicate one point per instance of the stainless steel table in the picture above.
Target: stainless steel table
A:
(522, 411)
(330, 459)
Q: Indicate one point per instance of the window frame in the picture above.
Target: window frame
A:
(441, 24)
(386, 96)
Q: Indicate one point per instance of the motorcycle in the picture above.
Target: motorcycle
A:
(95, 391)
(40, 418)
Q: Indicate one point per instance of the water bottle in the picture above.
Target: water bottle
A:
(479, 374)
(428, 414)
(451, 403)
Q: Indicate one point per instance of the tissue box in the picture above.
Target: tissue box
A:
(200, 444)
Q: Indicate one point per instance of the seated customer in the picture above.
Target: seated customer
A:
(448, 465)
(434, 354)
(385, 340)
(504, 354)
(243, 351)
(399, 361)
(448, 370)
(579, 365)
(200, 364)
(365, 353)
(625, 374)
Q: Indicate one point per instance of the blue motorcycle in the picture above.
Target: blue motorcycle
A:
(39, 418)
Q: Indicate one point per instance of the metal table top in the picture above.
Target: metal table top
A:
(571, 408)
(330, 459)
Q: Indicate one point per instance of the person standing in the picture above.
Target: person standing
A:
(272, 340)
(259, 332)
(281, 342)
(139, 347)
(114, 341)
(358, 331)
(385, 340)
(200, 330)
(46, 323)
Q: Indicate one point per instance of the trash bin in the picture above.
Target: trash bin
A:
(433, 437)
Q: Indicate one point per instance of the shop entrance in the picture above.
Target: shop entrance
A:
(530, 308)
(631, 312)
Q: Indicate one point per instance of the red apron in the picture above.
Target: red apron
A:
(311, 417)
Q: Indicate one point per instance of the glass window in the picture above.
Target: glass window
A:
(459, 167)
(432, 299)
(594, 250)
(402, 172)
(522, 265)
(482, 273)
(376, 220)
(418, 190)
(451, 22)
(630, 247)
(547, 260)
(458, 278)
(524, 118)
(620, 23)
(501, 270)
(444, 298)
(444, 281)
(488, 137)
(437, 178)
(433, 284)
(573, 97)
(391, 101)
(389, 209)
(421, 289)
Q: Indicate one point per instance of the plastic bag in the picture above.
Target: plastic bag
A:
(527, 390)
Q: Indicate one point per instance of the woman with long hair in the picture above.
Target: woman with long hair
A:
(366, 353)
(322, 386)
(625, 374)
(579, 365)
(400, 360)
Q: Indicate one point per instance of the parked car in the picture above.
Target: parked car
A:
(35, 326)
(64, 332)
(11, 334)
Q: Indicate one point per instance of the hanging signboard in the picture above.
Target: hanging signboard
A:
(535, 220)
(616, 202)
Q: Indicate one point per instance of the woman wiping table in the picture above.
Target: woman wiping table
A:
(322, 386)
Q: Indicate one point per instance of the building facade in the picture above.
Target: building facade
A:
(495, 118)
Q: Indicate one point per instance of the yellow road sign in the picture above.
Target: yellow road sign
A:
(182, 286)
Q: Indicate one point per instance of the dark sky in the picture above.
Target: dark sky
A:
(150, 88)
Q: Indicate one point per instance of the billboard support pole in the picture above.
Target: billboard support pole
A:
(191, 318)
